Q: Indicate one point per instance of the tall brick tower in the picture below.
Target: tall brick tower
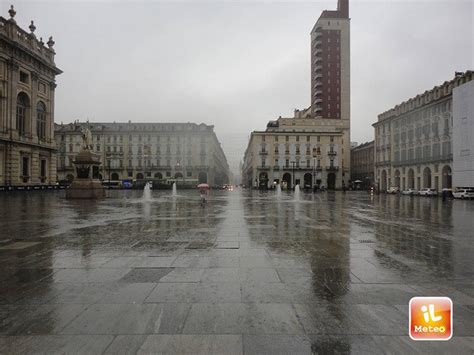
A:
(330, 64)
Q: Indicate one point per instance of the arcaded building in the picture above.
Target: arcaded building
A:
(296, 151)
(186, 153)
(362, 164)
(27, 89)
(313, 147)
(414, 140)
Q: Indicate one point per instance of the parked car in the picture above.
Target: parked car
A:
(426, 191)
(410, 192)
(464, 193)
(393, 190)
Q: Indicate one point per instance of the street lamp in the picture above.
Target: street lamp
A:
(108, 163)
(293, 163)
(315, 154)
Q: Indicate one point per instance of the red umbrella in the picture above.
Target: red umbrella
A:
(203, 186)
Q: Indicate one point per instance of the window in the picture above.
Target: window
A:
(98, 147)
(276, 138)
(189, 174)
(24, 77)
(22, 105)
(287, 138)
(168, 173)
(287, 163)
(41, 120)
(297, 138)
(319, 139)
(263, 162)
(308, 138)
(129, 164)
(25, 168)
(43, 168)
(307, 163)
(331, 139)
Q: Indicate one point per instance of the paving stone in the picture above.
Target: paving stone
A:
(192, 344)
(55, 344)
(141, 275)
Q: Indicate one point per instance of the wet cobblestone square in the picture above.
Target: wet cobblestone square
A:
(248, 273)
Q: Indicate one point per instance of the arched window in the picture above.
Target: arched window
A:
(41, 120)
(22, 105)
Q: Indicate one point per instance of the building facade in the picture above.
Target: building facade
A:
(413, 140)
(362, 165)
(296, 151)
(27, 88)
(187, 153)
(313, 147)
(463, 135)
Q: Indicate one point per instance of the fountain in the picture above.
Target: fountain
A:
(278, 191)
(297, 192)
(174, 193)
(86, 185)
(147, 193)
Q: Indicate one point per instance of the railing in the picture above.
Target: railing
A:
(263, 152)
(332, 153)
(332, 168)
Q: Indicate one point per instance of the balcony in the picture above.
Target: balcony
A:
(263, 152)
(333, 153)
(318, 76)
(318, 101)
(276, 167)
(318, 52)
(332, 168)
(263, 167)
(318, 109)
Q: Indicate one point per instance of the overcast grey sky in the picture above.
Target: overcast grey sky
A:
(237, 64)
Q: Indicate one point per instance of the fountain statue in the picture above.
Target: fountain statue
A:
(147, 193)
(297, 192)
(86, 184)
(174, 192)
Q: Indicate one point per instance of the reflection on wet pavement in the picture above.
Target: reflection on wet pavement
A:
(248, 273)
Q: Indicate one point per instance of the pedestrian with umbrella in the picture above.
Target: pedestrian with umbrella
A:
(203, 191)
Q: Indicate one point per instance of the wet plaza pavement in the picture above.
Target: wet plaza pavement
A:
(248, 273)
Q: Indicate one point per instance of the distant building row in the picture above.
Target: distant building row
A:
(185, 152)
(425, 142)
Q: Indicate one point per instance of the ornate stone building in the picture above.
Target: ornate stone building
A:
(290, 148)
(187, 153)
(297, 151)
(27, 87)
(362, 164)
(413, 140)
